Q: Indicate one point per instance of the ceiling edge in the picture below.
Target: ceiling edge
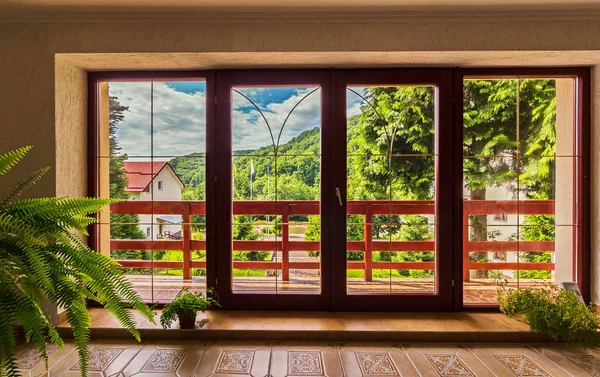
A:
(303, 17)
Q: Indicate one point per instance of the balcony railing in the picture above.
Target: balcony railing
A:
(368, 209)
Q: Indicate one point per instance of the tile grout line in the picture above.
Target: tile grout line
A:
(270, 359)
(553, 363)
(206, 345)
(409, 359)
(337, 348)
(130, 360)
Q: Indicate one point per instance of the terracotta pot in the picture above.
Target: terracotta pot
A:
(187, 321)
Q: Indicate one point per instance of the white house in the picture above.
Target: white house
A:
(155, 181)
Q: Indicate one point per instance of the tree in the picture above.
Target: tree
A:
(354, 233)
(414, 228)
(490, 130)
(243, 229)
(122, 226)
(400, 121)
(395, 124)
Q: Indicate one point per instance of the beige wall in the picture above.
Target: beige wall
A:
(42, 67)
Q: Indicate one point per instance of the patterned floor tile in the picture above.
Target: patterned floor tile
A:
(30, 357)
(105, 359)
(449, 365)
(370, 360)
(236, 361)
(172, 358)
(305, 359)
(164, 361)
(305, 363)
(376, 364)
(100, 358)
(433, 359)
(521, 366)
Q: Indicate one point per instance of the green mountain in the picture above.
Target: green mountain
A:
(295, 174)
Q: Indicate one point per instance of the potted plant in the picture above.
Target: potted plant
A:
(185, 306)
(554, 311)
(43, 259)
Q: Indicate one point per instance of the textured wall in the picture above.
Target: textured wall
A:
(70, 137)
(42, 86)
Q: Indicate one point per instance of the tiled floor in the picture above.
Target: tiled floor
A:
(279, 359)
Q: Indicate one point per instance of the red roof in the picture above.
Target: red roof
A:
(140, 174)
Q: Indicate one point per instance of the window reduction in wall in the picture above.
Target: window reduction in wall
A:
(151, 156)
(519, 166)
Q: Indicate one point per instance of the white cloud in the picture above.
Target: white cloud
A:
(179, 122)
(353, 101)
(250, 130)
(179, 126)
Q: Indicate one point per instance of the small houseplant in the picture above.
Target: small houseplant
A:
(43, 259)
(185, 307)
(554, 311)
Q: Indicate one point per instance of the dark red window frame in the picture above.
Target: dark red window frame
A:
(581, 76)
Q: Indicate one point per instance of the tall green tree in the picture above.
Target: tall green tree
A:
(122, 226)
(491, 129)
(400, 120)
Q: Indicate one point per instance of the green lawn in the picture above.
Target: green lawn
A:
(249, 273)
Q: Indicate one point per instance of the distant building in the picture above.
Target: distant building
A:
(155, 181)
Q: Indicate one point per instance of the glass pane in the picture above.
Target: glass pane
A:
(391, 189)
(276, 168)
(130, 119)
(152, 157)
(179, 127)
(518, 221)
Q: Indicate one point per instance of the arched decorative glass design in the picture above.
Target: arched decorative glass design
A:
(276, 169)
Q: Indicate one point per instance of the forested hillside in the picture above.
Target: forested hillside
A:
(297, 168)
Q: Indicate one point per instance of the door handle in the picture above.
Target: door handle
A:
(339, 195)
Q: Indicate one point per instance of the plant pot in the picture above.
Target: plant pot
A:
(187, 321)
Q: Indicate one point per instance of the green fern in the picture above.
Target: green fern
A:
(42, 258)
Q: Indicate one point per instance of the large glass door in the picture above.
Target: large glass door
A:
(392, 247)
(271, 184)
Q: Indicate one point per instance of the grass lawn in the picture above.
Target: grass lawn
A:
(249, 273)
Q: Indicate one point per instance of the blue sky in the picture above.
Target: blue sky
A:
(179, 116)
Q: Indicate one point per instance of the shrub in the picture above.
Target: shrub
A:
(554, 311)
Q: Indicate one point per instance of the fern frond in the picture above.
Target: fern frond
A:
(43, 258)
(11, 158)
(23, 185)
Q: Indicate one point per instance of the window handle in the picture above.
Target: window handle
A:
(339, 195)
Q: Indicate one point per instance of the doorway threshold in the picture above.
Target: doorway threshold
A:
(462, 327)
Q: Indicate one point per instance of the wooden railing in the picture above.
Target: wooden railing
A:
(368, 245)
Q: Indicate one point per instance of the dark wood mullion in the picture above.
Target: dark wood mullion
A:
(223, 187)
(444, 198)
(92, 154)
(210, 182)
(457, 170)
(583, 200)
(338, 177)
